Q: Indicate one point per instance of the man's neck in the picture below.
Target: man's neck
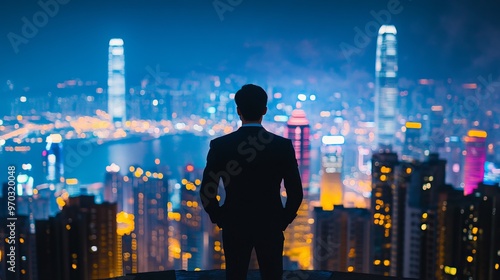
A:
(251, 122)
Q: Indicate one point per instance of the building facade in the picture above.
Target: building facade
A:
(116, 82)
(386, 85)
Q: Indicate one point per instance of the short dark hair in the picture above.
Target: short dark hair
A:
(252, 101)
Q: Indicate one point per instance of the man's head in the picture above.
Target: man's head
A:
(251, 102)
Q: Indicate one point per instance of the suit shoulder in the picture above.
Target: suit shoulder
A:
(280, 139)
(222, 139)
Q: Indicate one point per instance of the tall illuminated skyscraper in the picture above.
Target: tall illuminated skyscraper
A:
(80, 242)
(414, 219)
(468, 243)
(386, 86)
(384, 211)
(475, 145)
(298, 130)
(116, 82)
(191, 227)
(298, 236)
(150, 218)
(331, 186)
(52, 160)
(413, 147)
(436, 120)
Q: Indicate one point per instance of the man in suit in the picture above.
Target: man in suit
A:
(252, 163)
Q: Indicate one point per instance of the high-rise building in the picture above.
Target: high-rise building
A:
(342, 239)
(386, 86)
(174, 225)
(113, 181)
(127, 242)
(191, 227)
(412, 148)
(436, 119)
(469, 247)
(331, 187)
(298, 236)
(194, 242)
(298, 130)
(454, 158)
(150, 217)
(53, 161)
(475, 145)
(416, 223)
(116, 82)
(384, 206)
(80, 242)
(118, 189)
(448, 236)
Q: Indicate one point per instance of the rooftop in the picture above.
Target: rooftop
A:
(252, 275)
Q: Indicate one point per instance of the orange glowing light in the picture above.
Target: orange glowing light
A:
(477, 133)
(470, 86)
(414, 125)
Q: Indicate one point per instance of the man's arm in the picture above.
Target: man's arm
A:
(293, 186)
(210, 185)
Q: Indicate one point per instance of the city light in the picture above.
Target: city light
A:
(333, 140)
(413, 125)
(398, 157)
(116, 42)
(477, 133)
(280, 118)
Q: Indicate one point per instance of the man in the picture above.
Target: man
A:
(252, 163)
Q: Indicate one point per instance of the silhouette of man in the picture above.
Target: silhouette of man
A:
(252, 163)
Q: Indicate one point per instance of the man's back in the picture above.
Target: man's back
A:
(252, 163)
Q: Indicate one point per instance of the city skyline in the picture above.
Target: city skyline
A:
(109, 154)
(204, 42)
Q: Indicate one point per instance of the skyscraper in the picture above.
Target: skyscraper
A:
(469, 247)
(298, 130)
(455, 158)
(80, 242)
(386, 86)
(298, 237)
(436, 119)
(415, 225)
(342, 239)
(52, 160)
(412, 148)
(116, 82)
(150, 221)
(331, 192)
(191, 227)
(384, 210)
(475, 145)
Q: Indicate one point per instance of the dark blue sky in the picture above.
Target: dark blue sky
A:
(449, 39)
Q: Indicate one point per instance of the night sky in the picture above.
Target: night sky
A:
(459, 39)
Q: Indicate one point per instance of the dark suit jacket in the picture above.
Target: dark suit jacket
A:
(252, 163)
